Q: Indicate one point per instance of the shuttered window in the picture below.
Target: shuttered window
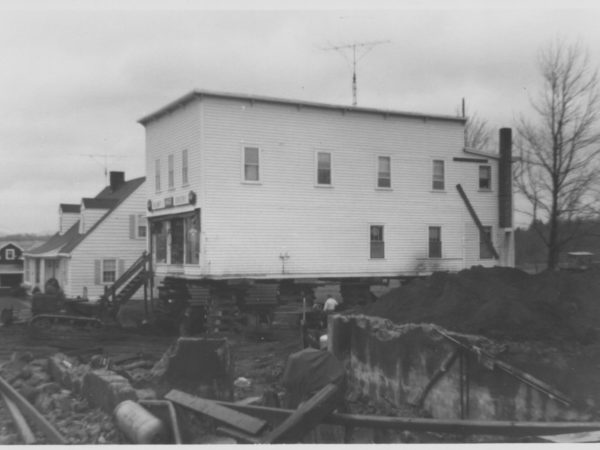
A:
(438, 175)
(109, 270)
(377, 242)
(435, 242)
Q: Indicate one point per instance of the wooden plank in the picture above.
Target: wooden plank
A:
(238, 435)
(593, 436)
(32, 414)
(494, 427)
(308, 415)
(233, 418)
(20, 422)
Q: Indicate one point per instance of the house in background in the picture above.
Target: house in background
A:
(11, 265)
(98, 239)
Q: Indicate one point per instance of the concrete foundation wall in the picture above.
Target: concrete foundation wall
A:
(401, 364)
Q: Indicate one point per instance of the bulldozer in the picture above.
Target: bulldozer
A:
(51, 307)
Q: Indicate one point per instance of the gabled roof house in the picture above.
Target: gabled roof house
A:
(11, 264)
(98, 239)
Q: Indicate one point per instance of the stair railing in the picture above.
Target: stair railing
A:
(110, 292)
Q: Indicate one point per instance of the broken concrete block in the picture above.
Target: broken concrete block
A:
(198, 365)
(105, 389)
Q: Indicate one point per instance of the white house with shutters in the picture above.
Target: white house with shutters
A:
(98, 239)
(247, 187)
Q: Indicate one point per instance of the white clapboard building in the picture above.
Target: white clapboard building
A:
(247, 187)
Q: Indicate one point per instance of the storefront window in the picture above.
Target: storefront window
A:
(177, 238)
(161, 230)
(192, 242)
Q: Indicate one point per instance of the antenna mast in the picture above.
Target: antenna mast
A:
(368, 47)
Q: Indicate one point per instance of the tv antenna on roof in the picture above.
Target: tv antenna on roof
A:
(102, 159)
(368, 46)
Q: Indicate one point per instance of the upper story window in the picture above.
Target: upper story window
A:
(252, 164)
(10, 254)
(157, 175)
(171, 173)
(435, 242)
(438, 175)
(184, 167)
(485, 178)
(384, 172)
(324, 168)
(377, 242)
(485, 236)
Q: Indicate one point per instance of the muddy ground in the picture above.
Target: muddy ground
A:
(258, 357)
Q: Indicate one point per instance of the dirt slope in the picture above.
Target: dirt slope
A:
(501, 303)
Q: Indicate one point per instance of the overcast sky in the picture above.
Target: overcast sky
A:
(74, 82)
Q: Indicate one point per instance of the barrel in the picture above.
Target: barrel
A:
(138, 424)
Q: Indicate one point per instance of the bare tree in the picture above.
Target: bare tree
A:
(560, 145)
(477, 133)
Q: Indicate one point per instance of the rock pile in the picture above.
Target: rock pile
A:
(70, 414)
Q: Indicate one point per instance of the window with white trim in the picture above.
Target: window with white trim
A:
(485, 178)
(171, 172)
(109, 270)
(10, 254)
(435, 242)
(157, 175)
(384, 172)
(324, 168)
(377, 242)
(141, 228)
(252, 164)
(438, 175)
(184, 167)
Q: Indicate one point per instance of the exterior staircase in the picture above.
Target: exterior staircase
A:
(129, 282)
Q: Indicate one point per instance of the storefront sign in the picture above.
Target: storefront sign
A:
(181, 200)
(170, 202)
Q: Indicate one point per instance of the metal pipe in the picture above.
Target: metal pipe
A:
(33, 414)
(172, 416)
(20, 422)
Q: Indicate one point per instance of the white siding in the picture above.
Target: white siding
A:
(324, 231)
(66, 221)
(110, 240)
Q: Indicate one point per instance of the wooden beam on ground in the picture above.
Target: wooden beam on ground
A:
(494, 427)
(238, 435)
(308, 415)
(20, 422)
(32, 414)
(231, 417)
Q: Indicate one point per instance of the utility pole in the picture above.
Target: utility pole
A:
(368, 46)
(104, 158)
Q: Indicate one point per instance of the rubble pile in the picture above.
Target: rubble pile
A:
(70, 414)
(501, 303)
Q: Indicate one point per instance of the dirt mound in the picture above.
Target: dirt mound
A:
(500, 303)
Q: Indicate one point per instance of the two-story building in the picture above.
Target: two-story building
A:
(98, 239)
(254, 188)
